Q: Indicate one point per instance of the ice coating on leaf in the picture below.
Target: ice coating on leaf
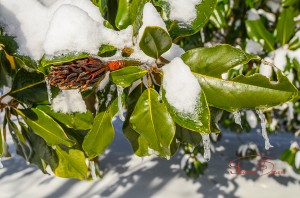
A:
(183, 10)
(69, 101)
(206, 146)
(49, 91)
(264, 133)
(237, 118)
(181, 86)
(120, 105)
(1, 165)
(93, 170)
(251, 119)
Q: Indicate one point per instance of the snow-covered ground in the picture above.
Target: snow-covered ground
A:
(128, 176)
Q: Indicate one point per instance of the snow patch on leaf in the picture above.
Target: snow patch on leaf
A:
(178, 77)
(183, 10)
(69, 101)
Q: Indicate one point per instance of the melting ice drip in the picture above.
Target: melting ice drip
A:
(49, 90)
(206, 145)
(120, 106)
(93, 170)
(237, 118)
(264, 133)
(1, 165)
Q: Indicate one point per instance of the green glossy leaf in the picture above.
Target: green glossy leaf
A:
(155, 41)
(199, 121)
(44, 126)
(136, 14)
(102, 132)
(289, 2)
(8, 44)
(123, 16)
(139, 143)
(215, 61)
(62, 59)
(219, 17)
(294, 43)
(249, 92)
(78, 121)
(107, 51)
(71, 163)
(257, 32)
(284, 29)
(180, 29)
(187, 136)
(151, 119)
(126, 76)
(29, 87)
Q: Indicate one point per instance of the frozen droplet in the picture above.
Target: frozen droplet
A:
(264, 133)
(237, 118)
(206, 145)
(290, 111)
(1, 165)
(297, 160)
(251, 119)
(49, 91)
(93, 170)
(120, 105)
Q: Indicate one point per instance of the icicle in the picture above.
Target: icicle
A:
(237, 118)
(1, 165)
(49, 91)
(206, 145)
(93, 170)
(264, 133)
(290, 111)
(120, 106)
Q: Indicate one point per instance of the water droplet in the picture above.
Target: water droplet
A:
(264, 133)
(120, 105)
(93, 170)
(206, 145)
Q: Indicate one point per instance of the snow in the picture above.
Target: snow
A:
(251, 118)
(253, 15)
(104, 82)
(93, 170)
(274, 5)
(280, 57)
(266, 70)
(69, 101)
(183, 10)
(270, 16)
(178, 78)
(173, 52)
(253, 47)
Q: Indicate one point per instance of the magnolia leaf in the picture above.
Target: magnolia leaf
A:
(151, 119)
(256, 91)
(155, 41)
(215, 61)
(136, 14)
(180, 29)
(107, 51)
(284, 30)
(139, 143)
(126, 76)
(71, 163)
(78, 121)
(29, 87)
(44, 126)
(58, 60)
(123, 15)
(198, 121)
(102, 132)
(186, 136)
(257, 32)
